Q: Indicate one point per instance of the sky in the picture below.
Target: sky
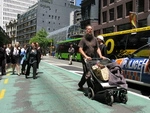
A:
(78, 2)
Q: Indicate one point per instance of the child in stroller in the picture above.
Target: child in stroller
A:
(109, 89)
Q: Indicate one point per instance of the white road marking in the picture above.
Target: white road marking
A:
(142, 96)
(76, 71)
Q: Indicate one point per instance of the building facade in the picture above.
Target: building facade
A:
(73, 2)
(48, 14)
(4, 38)
(10, 8)
(75, 17)
(114, 15)
(89, 12)
(11, 30)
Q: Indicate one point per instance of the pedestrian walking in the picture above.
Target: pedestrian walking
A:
(40, 55)
(2, 59)
(15, 58)
(89, 48)
(23, 59)
(32, 60)
(8, 56)
(71, 52)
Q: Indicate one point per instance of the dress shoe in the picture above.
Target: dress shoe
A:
(34, 77)
(26, 76)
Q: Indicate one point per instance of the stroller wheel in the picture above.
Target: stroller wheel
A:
(109, 98)
(90, 93)
(123, 96)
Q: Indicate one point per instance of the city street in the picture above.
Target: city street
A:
(55, 91)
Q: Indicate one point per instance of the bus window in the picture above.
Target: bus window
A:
(148, 39)
(121, 43)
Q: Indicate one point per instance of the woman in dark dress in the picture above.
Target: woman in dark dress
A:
(32, 60)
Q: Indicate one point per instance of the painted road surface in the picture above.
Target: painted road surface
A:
(55, 91)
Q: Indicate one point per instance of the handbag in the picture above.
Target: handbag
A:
(101, 72)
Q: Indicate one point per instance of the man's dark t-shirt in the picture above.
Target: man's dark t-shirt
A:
(89, 46)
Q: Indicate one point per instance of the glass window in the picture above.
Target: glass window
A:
(142, 23)
(140, 5)
(111, 14)
(129, 7)
(119, 11)
(108, 30)
(105, 16)
(124, 27)
(149, 3)
(111, 1)
(143, 52)
(104, 3)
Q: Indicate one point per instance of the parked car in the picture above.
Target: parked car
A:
(136, 67)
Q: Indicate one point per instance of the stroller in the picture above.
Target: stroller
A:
(112, 88)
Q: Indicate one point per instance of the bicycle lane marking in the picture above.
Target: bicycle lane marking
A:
(3, 91)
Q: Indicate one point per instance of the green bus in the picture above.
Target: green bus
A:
(63, 46)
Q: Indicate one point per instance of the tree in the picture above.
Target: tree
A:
(40, 37)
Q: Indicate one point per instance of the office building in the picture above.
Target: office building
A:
(114, 15)
(89, 13)
(75, 17)
(10, 8)
(48, 14)
(73, 2)
(4, 38)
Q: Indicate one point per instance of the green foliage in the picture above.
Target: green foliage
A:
(40, 37)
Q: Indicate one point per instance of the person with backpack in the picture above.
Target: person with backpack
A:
(102, 45)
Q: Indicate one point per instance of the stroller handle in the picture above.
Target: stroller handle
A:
(97, 59)
(100, 60)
